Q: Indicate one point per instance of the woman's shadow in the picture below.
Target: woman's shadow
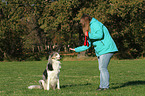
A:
(129, 83)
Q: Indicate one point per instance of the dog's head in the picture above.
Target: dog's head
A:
(55, 56)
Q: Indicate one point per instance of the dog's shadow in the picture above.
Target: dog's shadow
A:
(129, 83)
(73, 85)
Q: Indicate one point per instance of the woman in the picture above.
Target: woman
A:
(104, 45)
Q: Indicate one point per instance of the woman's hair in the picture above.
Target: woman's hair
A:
(85, 21)
(86, 17)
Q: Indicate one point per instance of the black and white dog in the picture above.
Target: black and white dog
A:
(50, 74)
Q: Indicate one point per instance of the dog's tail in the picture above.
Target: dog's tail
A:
(35, 87)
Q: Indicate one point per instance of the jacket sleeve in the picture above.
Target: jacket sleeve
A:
(83, 48)
(96, 31)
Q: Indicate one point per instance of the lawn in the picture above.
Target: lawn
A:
(77, 78)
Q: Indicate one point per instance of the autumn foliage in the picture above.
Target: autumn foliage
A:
(33, 28)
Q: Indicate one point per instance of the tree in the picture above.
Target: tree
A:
(31, 28)
(58, 22)
(11, 30)
(128, 21)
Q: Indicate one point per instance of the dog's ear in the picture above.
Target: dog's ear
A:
(45, 74)
(49, 66)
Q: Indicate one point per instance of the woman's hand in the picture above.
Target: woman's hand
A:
(72, 49)
(86, 33)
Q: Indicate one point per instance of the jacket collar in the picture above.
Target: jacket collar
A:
(93, 20)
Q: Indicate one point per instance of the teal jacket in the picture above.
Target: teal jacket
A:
(100, 38)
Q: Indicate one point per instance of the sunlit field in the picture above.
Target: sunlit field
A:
(77, 78)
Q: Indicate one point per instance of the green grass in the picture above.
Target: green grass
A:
(77, 78)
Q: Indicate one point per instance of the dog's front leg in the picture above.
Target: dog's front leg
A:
(42, 84)
(58, 86)
(48, 81)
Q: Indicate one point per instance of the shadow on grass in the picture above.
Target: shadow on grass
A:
(129, 83)
(73, 85)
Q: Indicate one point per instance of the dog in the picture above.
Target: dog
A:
(50, 74)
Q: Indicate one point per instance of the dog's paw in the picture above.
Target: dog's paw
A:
(47, 88)
(30, 87)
